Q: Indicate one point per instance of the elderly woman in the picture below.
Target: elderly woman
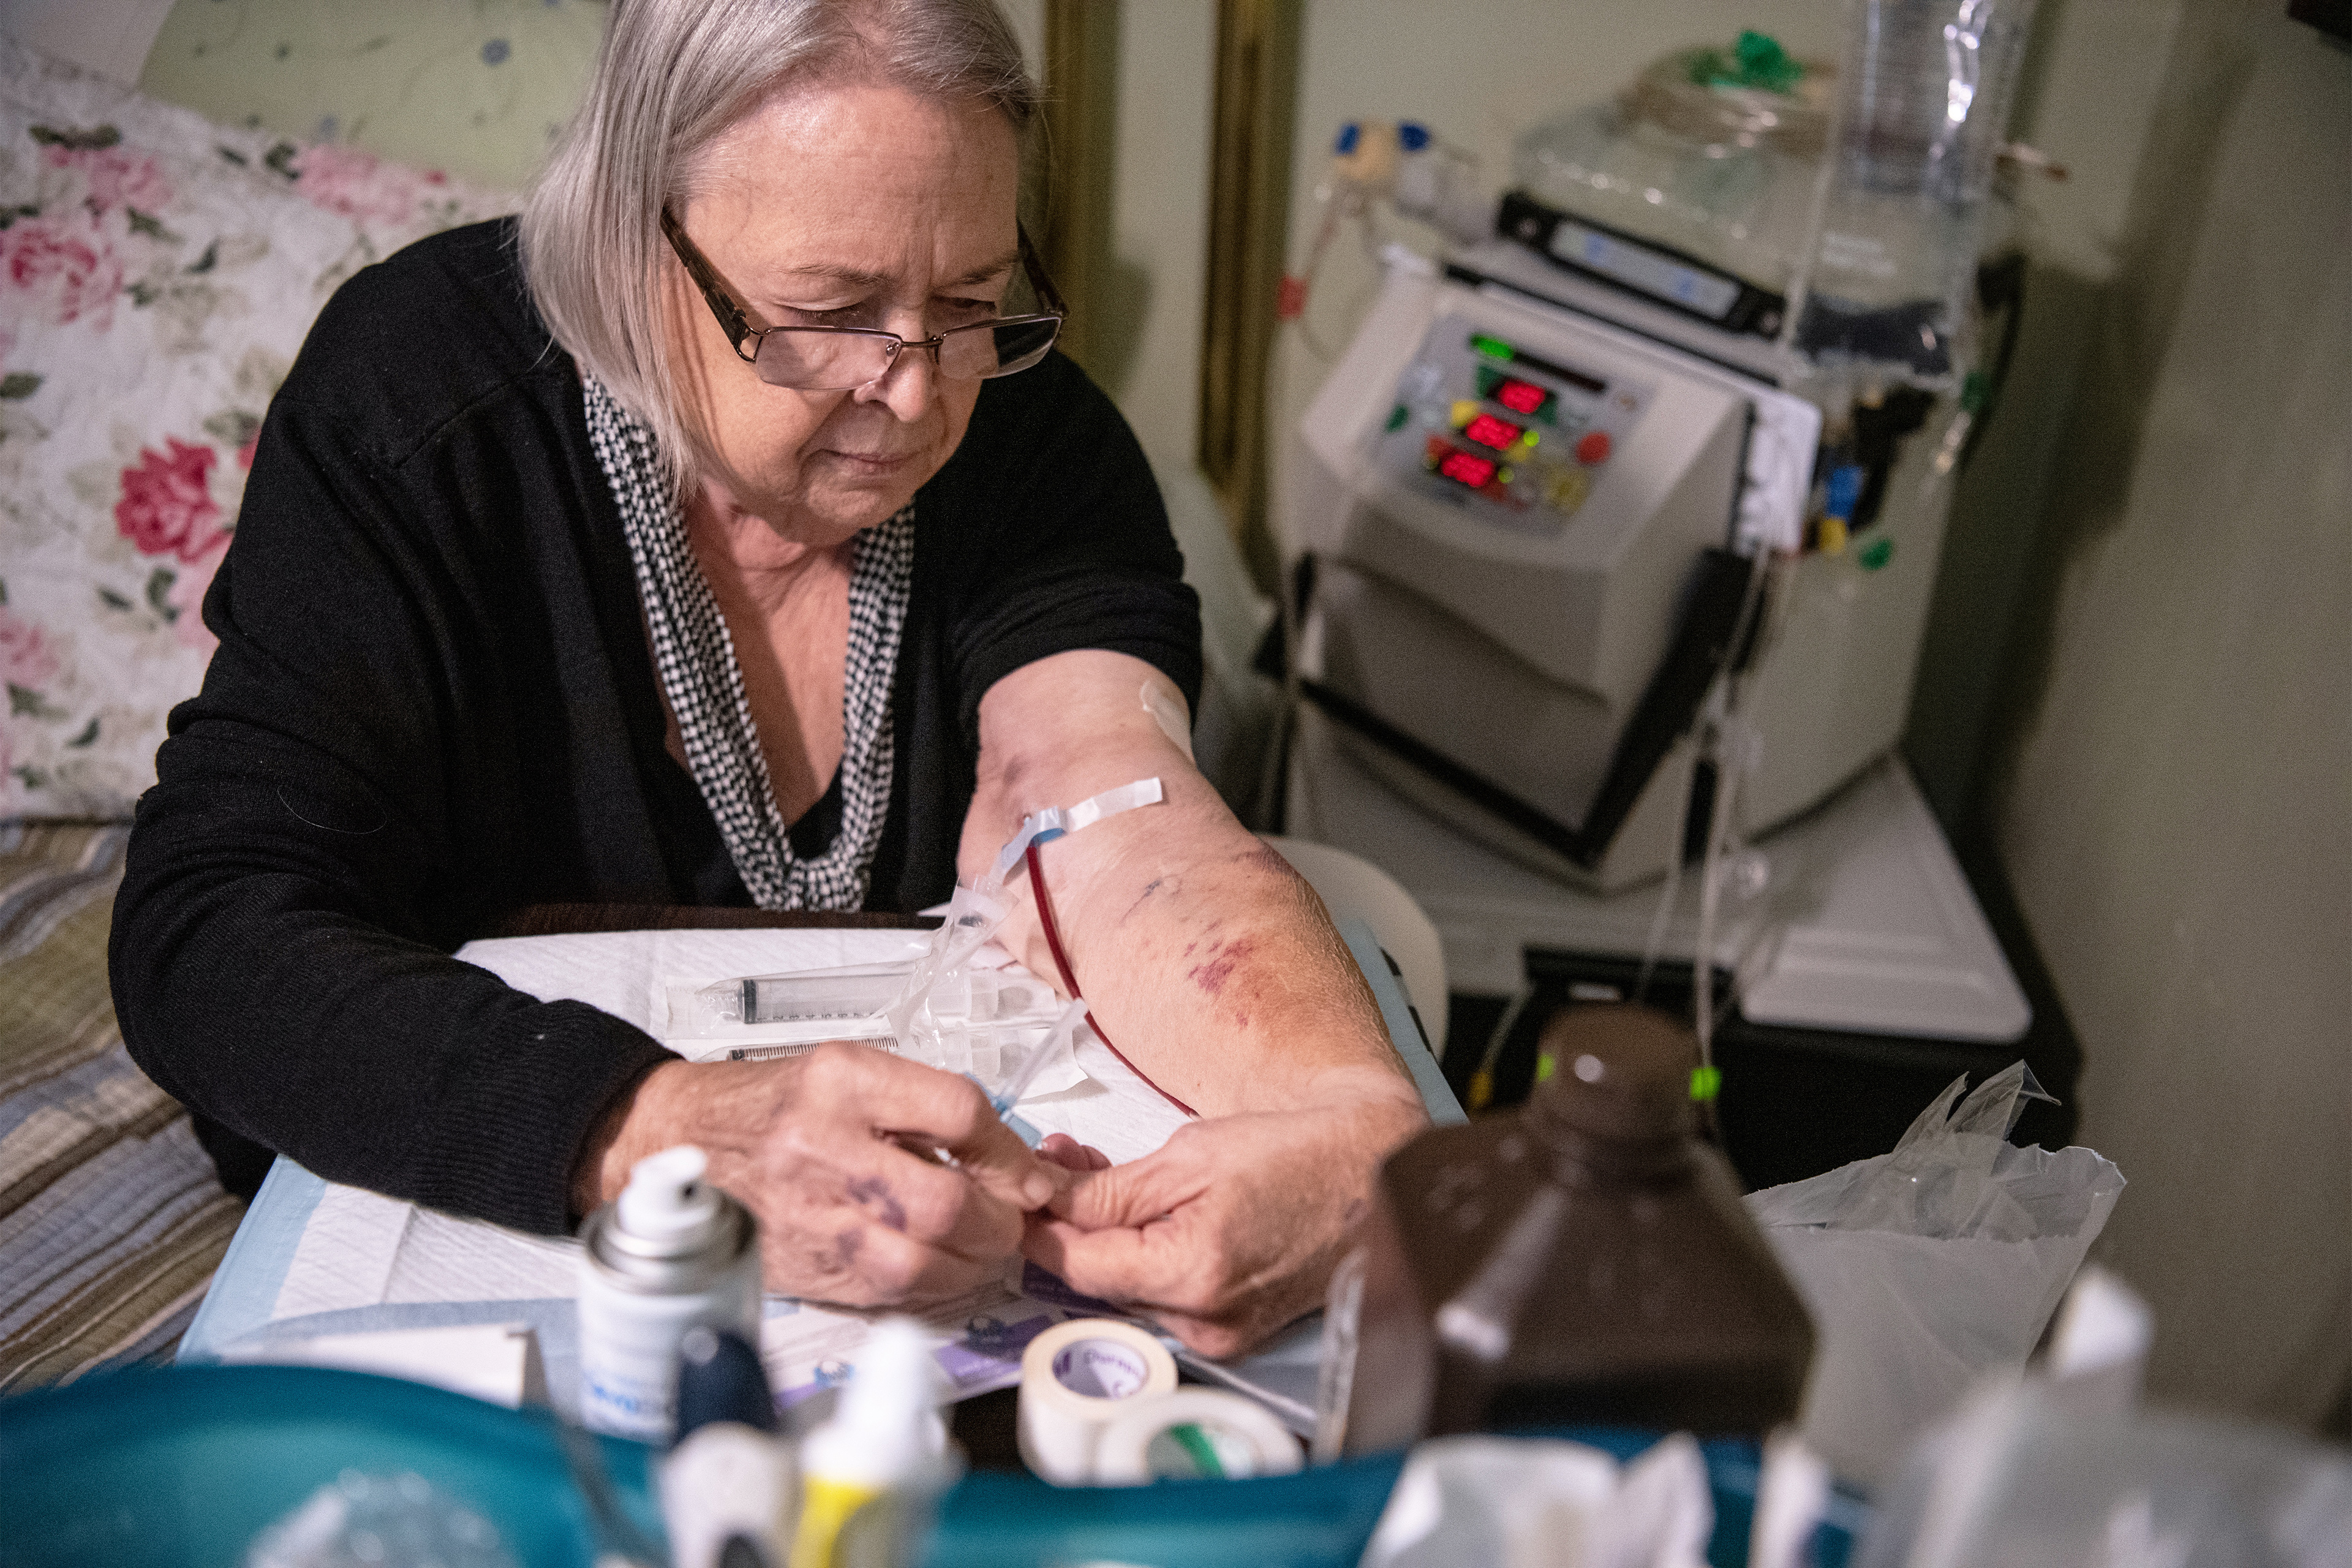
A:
(728, 532)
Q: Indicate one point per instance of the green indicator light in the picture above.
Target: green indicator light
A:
(1398, 415)
(1493, 348)
(1876, 554)
(1705, 1082)
(1544, 1065)
(1531, 437)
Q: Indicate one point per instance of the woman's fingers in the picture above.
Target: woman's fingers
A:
(1062, 1150)
(1229, 1231)
(1175, 1270)
(1138, 1192)
(910, 1100)
(1129, 1265)
(899, 1270)
(875, 1179)
(846, 1258)
(934, 1205)
(871, 1225)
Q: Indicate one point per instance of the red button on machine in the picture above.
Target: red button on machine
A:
(1593, 450)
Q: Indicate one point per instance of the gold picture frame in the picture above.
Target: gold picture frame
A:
(1249, 201)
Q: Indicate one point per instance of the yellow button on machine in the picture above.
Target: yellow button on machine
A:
(1465, 410)
(1565, 490)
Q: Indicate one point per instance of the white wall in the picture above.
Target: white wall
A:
(1149, 326)
(1159, 217)
(2178, 821)
(1149, 357)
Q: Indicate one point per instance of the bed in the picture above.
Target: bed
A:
(157, 274)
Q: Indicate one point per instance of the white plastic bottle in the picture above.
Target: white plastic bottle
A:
(873, 1472)
(671, 1252)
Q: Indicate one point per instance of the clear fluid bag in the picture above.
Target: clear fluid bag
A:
(1924, 106)
(1711, 152)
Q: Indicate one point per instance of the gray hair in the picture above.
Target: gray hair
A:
(672, 77)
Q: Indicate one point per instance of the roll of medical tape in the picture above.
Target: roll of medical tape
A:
(1075, 1378)
(1192, 1434)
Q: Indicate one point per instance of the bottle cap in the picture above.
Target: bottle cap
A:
(1622, 1074)
(887, 1429)
(666, 1200)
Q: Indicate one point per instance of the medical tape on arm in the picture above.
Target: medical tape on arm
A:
(1044, 827)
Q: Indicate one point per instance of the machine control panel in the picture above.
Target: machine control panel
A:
(1482, 423)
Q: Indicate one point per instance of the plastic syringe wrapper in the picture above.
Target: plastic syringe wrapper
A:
(854, 996)
(993, 1027)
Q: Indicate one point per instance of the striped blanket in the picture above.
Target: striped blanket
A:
(111, 1220)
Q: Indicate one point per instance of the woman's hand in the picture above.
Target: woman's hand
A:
(832, 1150)
(1231, 1229)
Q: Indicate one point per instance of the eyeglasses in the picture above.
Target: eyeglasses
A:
(838, 359)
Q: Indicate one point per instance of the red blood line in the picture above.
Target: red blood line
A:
(1070, 982)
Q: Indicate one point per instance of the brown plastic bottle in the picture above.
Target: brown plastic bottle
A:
(1584, 1261)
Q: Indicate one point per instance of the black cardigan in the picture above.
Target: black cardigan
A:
(434, 703)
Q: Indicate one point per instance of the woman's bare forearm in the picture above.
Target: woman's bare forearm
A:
(1207, 959)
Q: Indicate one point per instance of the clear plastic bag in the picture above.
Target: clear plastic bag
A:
(2024, 1477)
(1930, 1266)
(1939, 1180)
(1723, 171)
(1539, 1499)
(361, 1521)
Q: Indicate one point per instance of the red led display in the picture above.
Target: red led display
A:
(1464, 468)
(1520, 397)
(1489, 431)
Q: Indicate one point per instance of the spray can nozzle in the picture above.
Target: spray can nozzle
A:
(666, 1198)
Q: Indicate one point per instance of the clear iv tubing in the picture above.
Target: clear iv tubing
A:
(1728, 770)
(1069, 981)
(1667, 897)
(1341, 200)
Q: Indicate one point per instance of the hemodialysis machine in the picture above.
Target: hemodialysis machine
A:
(1583, 539)
(1523, 519)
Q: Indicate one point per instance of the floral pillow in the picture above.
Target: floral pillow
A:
(157, 276)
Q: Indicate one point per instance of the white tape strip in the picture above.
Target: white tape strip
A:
(1170, 717)
(1193, 1433)
(1076, 1377)
(1056, 820)
(1111, 802)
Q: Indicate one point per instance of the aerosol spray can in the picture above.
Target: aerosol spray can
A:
(671, 1252)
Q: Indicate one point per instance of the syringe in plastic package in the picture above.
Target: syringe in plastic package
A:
(857, 991)
(854, 991)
